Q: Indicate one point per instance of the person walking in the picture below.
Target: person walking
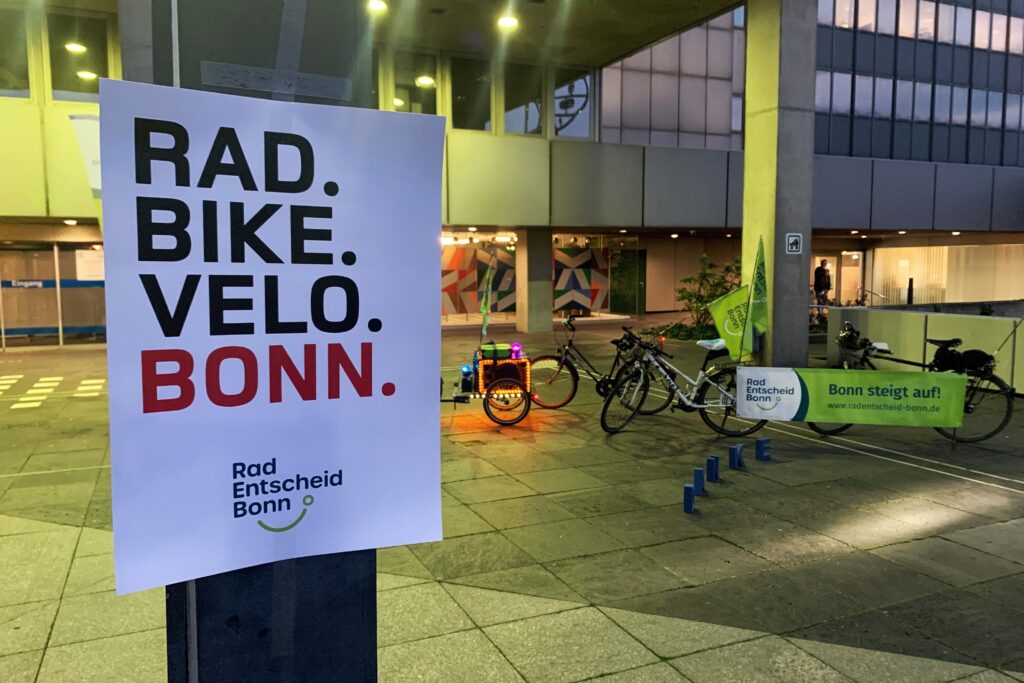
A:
(822, 286)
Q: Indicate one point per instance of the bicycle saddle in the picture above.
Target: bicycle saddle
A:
(946, 343)
(712, 344)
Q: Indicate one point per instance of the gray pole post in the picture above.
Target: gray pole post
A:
(310, 619)
(60, 305)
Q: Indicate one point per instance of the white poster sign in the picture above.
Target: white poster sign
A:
(89, 264)
(273, 335)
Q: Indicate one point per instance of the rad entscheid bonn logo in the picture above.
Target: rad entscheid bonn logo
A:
(258, 492)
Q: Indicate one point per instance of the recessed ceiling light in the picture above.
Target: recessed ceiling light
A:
(508, 23)
(425, 81)
(471, 228)
(902, 232)
(854, 232)
(956, 233)
(863, 237)
(75, 47)
(87, 75)
(398, 102)
(376, 6)
(675, 235)
(70, 221)
(728, 235)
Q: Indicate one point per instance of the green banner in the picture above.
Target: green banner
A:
(730, 315)
(759, 292)
(918, 399)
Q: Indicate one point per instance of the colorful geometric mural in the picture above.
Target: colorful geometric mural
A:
(581, 279)
(464, 272)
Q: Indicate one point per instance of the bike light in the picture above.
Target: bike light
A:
(516, 350)
(661, 340)
(466, 370)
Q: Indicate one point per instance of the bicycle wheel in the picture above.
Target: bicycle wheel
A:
(828, 428)
(553, 382)
(624, 401)
(506, 401)
(718, 393)
(659, 393)
(988, 405)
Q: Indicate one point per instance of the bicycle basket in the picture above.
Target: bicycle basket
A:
(948, 360)
(975, 360)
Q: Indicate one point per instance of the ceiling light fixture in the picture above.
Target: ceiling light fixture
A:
(956, 233)
(398, 102)
(508, 23)
(502, 239)
(376, 6)
(87, 75)
(854, 232)
(75, 47)
(622, 231)
(425, 81)
(70, 221)
(471, 228)
(902, 232)
(675, 235)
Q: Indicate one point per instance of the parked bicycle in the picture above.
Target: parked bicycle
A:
(712, 393)
(988, 401)
(556, 378)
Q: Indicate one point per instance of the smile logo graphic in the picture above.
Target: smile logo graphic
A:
(772, 403)
(259, 493)
(306, 502)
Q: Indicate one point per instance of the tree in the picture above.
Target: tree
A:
(707, 285)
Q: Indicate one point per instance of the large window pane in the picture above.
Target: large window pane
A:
(866, 15)
(636, 99)
(999, 32)
(693, 52)
(78, 56)
(922, 101)
(841, 85)
(844, 13)
(415, 83)
(471, 94)
(664, 102)
(982, 29)
(904, 100)
(946, 19)
(692, 104)
(979, 106)
(995, 110)
(825, 8)
(1013, 109)
(1016, 35)
(573, 97)
(863, 91)
(719, 54)
(883, 98)
(886, 17)
(822, 91)
(611, 97)
(926, 20)
(719, 115)
(737, 114)
(960, 106)
(963, 26)
(943, 96)
(13, 54)
(908, 18)
(524, 90)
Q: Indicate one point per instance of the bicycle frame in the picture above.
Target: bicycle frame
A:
(687, 400)
(569, 351)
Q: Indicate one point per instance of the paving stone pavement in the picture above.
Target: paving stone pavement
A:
(887, 556)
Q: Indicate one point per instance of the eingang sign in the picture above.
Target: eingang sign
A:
(272, 338)
(920, 399)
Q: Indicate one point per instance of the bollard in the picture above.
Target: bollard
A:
(688, 498)
(712, 468)
(698, 481)
(763, 448)
(736, 456)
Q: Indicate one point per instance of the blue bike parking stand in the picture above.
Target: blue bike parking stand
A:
(763, 449)
(688, 498)
(712, 468)
(736, 456)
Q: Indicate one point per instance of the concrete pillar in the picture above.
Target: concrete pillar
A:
(534, 291)
(779, 165)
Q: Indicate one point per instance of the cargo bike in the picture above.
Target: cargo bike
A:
(499, 375)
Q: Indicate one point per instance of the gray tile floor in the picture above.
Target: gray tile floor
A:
(567, 555)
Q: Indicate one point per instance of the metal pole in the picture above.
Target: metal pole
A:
(3, 326)
(60, 310)
(910, 292)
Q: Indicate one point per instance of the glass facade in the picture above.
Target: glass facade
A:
(923, 80)
(78, 56)
(415, 83)
(686, 91)
(471, 94)
(524, 89)
(13, 54)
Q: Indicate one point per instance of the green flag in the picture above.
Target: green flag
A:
(485, 299)
(730, 315)
(759, 295)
